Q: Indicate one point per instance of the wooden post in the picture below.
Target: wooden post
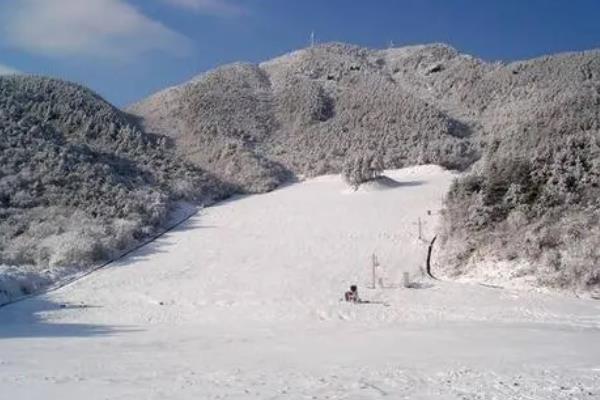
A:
(420, 223)
(374, 265)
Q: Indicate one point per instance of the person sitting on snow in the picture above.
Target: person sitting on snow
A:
(351, 296)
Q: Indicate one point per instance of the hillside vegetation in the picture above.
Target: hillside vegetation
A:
(79, 182)
(303, 114)
(526, 133)
(535, 195)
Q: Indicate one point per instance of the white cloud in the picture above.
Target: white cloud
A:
(4, 70)
(215, 7)
(109, 29)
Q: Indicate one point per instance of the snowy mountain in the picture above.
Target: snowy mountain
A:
(244, 299)
(304, 114)
(528, 132)
(79, 182)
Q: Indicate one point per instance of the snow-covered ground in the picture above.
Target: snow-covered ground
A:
(242, 302)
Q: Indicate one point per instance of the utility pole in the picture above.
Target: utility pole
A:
(374, 265)
(312, 39)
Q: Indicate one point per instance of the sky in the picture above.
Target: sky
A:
(128, 49)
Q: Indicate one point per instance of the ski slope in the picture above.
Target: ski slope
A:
(242, 302)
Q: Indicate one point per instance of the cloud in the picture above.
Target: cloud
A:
(109, 29)
(4, 70)
(214, 7)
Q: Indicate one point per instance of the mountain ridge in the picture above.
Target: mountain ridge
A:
(81, 180)
(314, 110)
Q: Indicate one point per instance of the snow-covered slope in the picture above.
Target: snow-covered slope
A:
(242, 302)
(527, 131)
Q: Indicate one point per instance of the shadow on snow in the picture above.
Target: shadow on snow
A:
(27, 320)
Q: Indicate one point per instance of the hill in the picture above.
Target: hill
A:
(534, 196)
(527, 134)
(79, 182)
(302, 114)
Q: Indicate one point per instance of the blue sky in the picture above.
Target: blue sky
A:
(127, 49)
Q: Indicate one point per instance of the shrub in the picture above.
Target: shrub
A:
(361, 169)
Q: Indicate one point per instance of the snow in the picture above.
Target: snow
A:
(242, 302)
